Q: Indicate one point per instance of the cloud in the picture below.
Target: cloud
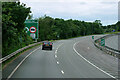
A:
(87, 10)
(108, 3)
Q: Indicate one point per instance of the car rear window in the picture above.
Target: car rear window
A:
(46, 42)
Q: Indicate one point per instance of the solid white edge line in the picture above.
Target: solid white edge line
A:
(20, 64)
(90, 62)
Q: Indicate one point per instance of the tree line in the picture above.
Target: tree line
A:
(14, 37)
(112, 28)
(56, 28)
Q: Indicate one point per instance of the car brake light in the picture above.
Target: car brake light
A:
(43, 44)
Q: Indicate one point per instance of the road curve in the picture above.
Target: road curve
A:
(64, 62)
(112, 42)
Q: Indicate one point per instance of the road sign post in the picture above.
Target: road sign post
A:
(31, 28)
(92, 37)
(102, 42)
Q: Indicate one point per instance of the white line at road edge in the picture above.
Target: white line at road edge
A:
(20, 64)
(90, 62)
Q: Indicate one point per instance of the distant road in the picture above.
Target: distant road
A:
(112, 42)
(70, 58)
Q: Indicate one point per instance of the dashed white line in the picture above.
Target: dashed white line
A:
(55, 56)
(62, 71)
(91, 63)
(20, 64)
(56, 52)
(57, 62)
(58, 48)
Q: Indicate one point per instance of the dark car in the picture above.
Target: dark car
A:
(47, 44)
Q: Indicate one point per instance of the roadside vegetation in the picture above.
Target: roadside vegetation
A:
(56, 28)
(14, 37)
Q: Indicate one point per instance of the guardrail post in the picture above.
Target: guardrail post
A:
(119, 67)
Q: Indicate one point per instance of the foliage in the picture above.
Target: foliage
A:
(51, 28)
(13, 16)
(112, 28)
(57, 28)
(30, 16)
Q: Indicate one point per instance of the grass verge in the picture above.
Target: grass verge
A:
(4, 64)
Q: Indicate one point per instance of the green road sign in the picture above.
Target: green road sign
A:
(31, 28)
(92, 37)
(102, 42)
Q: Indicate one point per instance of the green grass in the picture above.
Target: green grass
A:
(9, 60)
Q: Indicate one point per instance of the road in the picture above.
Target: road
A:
(112, 42)
(70, 58)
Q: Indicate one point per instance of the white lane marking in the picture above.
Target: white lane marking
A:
(41, 47)
(20, 64)
(57, 62)
(62, 71)
(55, 56)
(60, 45)
(58, 48)
(88, 47)
(90, 62)
(56, 52)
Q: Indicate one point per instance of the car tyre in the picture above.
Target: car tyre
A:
(51, 48)
(42, 48)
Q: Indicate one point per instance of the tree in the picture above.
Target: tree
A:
(13, 16)
(30, 16)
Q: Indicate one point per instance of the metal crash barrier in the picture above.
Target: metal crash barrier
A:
(16, 52)
(107, 49)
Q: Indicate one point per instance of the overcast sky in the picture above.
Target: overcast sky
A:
(85, 10)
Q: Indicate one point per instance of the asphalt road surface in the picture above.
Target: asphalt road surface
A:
(71, 58)
(112, 42)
